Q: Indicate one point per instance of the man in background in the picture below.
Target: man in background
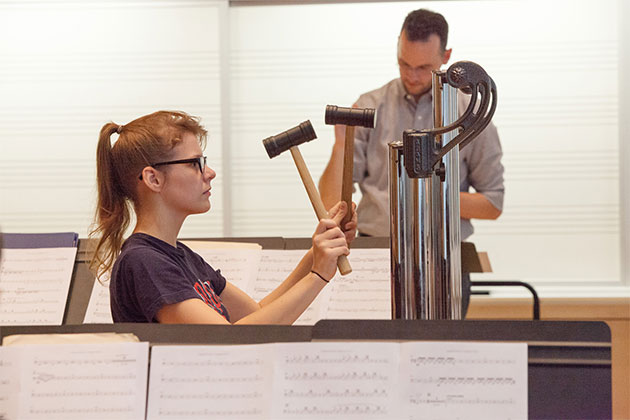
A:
(405, 103)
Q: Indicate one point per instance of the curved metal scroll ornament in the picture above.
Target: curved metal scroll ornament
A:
(421, 150)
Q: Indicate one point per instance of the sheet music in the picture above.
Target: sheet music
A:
(335, 381)
(448, 380)
(202, 244)
(238, 266)
(9, 382)
(98, 310)
(365, 293)
(275, 267)
(34, 285)
(210, 382)
(79, 381)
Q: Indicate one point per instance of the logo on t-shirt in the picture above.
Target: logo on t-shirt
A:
(206, 292)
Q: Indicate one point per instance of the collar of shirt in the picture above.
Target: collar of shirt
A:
(427, 97)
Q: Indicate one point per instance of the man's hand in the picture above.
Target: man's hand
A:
(476, 206)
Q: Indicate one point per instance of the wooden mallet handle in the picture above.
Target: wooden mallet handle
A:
(313, 194)
(350, 117)
(347, 184)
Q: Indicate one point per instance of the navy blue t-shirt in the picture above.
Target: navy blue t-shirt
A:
(150, 273)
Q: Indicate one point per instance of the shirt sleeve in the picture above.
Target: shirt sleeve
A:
(485, 170)
(153, 281)
(361, 141)
(215, 276)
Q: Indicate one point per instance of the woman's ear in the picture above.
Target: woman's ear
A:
(152, 179)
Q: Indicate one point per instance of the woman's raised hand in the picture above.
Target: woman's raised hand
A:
(350, 229)
(329, 242)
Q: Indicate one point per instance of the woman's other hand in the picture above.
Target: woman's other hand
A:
(350, 228)
(329, 242)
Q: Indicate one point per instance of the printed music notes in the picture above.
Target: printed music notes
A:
(312, 380)
(366, 292)
(279, 381)
(238, 266)
(443, 380)
(329, 380)
(210, 382)
(75, 381)
(9, 382)
(98, 310)
(275, 266)
(335, 381)
(34, 285)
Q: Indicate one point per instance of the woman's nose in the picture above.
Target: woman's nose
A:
(209, 173)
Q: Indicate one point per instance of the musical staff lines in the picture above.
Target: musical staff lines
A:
(98, 310)
(336, 358)
(208, 413)
(34, 285)
(208, 363)
(210, 379)
(275, 266)
(239, 266)
(366, 292)
(94, 393)
(80, 412)
(458, 400)
(209, 396)
(234, 380)
(9, 382)
(78, 381)
(459, 361)
(312, 380)
(355, 393)
(335, 380)
(465, 380)
(43, 377)
(325, 376)
(336, 411)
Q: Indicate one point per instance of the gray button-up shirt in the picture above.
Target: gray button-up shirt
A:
(479, 162)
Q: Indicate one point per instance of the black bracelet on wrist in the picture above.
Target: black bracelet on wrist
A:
(320, 276)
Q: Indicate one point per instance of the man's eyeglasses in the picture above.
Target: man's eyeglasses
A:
(406, 68)
(200, 161)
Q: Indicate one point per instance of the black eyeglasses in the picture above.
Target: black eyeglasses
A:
(200, 161)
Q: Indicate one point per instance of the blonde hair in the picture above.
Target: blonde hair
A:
(142, 142)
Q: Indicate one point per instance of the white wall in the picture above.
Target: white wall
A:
(67, 68)
(251, 72)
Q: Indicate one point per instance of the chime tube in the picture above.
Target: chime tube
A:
(425, 230)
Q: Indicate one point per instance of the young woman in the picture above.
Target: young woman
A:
(156, 167)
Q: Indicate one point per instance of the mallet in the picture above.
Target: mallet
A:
(290, 140)
(350, 117)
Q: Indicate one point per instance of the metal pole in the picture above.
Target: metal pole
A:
(451, 221)
(425, 239)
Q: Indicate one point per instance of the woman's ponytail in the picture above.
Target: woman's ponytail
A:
(112, 207)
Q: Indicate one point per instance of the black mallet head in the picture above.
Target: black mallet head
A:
(363, 117)
(287, 139)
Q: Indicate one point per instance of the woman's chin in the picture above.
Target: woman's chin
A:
(201, 209)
